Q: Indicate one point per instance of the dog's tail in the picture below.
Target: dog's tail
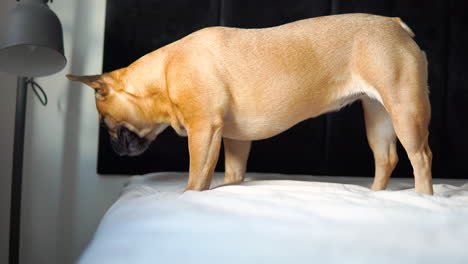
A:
(404, 26)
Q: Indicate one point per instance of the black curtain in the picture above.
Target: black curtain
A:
(332, 144)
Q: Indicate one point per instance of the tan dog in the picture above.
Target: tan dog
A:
(241, 85)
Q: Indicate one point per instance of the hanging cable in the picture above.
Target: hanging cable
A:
(38, 91)
(46, 2)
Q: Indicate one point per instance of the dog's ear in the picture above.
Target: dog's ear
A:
(94, 81)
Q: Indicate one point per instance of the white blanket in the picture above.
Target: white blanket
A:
(283, 219)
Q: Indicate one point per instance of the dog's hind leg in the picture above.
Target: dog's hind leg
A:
(410, 110)
(411, 121)
(399, 75)
(236, 153)
(382, 140)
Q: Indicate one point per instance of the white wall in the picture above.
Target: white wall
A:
(63, 197)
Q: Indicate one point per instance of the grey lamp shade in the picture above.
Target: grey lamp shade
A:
(31, 40)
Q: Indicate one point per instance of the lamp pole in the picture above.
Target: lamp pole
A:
(17, 170)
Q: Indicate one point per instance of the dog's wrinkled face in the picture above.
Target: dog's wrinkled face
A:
(129, 143)
(124, 115)
(123, 140)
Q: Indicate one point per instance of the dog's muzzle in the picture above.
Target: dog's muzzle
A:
(129, 143)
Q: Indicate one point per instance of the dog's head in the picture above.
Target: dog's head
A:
(128, 113)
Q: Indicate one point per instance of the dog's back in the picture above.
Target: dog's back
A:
(310, 67)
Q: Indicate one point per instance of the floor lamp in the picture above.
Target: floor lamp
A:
(31, 45)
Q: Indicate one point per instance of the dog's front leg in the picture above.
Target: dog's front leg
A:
(236, 153)
(204, 143)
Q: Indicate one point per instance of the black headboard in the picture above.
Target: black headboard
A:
(333, 144)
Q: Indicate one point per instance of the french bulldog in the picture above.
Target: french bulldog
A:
(239, 85)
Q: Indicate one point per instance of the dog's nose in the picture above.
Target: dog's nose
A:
(127, 137)
(121, 134)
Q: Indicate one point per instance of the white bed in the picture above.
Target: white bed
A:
(274, 218)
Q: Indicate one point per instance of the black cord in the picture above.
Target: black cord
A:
(36, 89)
(46, 2)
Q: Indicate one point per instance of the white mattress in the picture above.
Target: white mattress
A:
(283, 219)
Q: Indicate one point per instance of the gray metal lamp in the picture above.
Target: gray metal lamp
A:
(31, 45)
